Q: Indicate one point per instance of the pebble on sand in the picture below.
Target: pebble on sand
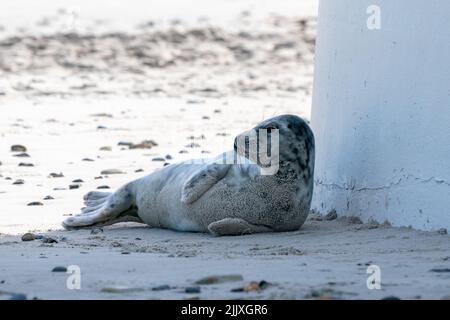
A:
(26, 164)
(56, 175)
(158, 159)
(18, 182)
(219, 279)
(28, 236)
(103, 187)
(111, 171)
(22, 155)
(332, 215)
(59, 269)
(49, 198)
(74, 186)
(192, 290)
(35, 203)
(106, 148)
(18, 148)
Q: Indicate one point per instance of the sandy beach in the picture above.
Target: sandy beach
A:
(73, 103)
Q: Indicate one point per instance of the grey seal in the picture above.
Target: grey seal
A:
(222, 198)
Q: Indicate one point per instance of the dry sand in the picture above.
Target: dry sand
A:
(70, 99)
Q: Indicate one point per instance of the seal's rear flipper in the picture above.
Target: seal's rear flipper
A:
(202, 180)
(104, 209)
(235, 227)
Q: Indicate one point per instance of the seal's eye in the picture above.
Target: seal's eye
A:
(289, 126)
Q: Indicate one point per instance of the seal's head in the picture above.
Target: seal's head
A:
(285, 142)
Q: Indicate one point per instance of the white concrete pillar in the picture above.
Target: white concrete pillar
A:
(381, 111)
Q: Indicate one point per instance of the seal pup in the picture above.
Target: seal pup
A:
(216, 196)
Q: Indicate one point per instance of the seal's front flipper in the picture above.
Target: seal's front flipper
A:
(202, 180)
(235, 227)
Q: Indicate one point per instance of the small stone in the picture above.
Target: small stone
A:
(74, 186)
(102, 127)
(217, 111)
(253, 286)
(96, 230)
(440, 270)
(391, 298)
(49, 198)
(49, 240)
(78, 181)
(192, 290)
(193, 145)
(139, 170)
(103, 187)
(183, 151)
(102, 115)
(28, 237)
(26, 164)
(35, 203)
(168, 157)
(146, 144)
(158, 159)
(56, 175)
(332, 215)
(87, 159)
(18, 148)
(111, 171)
(22, 155)
(442, 231)
(106, 148)
(161, 287)
(18, 182)
(205, 118)
(18, 296)
(354, 220)
(125, 143)
(59, 269)
(219, 279)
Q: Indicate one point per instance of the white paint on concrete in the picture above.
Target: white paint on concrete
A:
(381, 112)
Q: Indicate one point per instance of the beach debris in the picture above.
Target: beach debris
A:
(59, 269)
(26, 164)
(146, 144)
(332, 215)
(35, 203)
(56, 175)
(111, 171)
(252, 286)
(18, 296)
(192, 145)
(18, 148)
(120, 289)
(96, 230)
(192, 290)
(102, 115)
(391, 298)
(48, 240)
(440, 270)
(161, 287)
(22, 155)
(28, 236)
(215, 279)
